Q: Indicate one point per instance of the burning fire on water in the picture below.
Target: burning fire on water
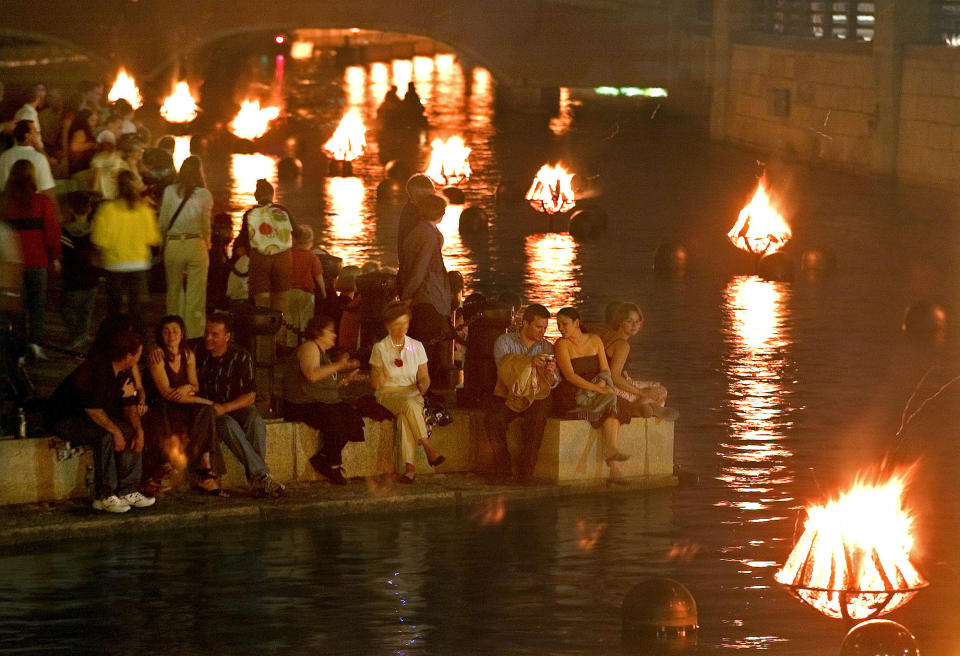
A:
(760, 228)
(125, 87)
(349, 139)
(853, 559)
(180, 106)
(449, 163)
(253, 121)
(552, 190)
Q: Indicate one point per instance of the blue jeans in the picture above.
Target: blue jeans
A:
(76, 308)
(34, 303)
(114, 472)
(245, 433)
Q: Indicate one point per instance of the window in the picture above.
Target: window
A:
(819, 19)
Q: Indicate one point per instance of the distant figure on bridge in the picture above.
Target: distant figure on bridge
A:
(389, 112)
(412, 109)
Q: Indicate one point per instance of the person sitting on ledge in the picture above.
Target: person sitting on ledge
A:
(400, 378)
(225, 374)
(587, 391)
(96, 405)
(311, 394)
(526, 374)
(644, 398)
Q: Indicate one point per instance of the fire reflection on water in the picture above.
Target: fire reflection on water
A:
(552, 276)
(346, 232)
(754, 457)
(245, 170)
(181, 150)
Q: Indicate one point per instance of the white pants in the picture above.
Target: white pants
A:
(407, 405)
(187, 259)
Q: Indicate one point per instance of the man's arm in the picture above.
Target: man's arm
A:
(100, 418)
(241, 401)
(501, 347)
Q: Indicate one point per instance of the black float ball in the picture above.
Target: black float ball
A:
(288, 169)
(398, 170)
(879, 638)
(472, 220)
(670, 259)
(775, 266)
(509, 192)
(389, 191)
(817, 260)
(925, 320)
(587, 222)
(454, 195)
(659, 615)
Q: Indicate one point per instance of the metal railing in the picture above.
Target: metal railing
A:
(816, 19)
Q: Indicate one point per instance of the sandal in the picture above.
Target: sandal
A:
(439, 460)
(204, 475)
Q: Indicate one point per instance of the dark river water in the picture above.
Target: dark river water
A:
(785, 391)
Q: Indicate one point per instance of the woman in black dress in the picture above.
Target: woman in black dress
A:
(586, 391)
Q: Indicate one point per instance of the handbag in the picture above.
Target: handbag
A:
(173, 219)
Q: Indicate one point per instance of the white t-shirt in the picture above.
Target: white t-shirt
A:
(40, 165)
(384, 355)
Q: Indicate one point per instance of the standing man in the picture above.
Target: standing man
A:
(30, 111)
(28, 146)
(526, 374)
(418, 187)
(225, 374)
(422, 279)
(96, 405)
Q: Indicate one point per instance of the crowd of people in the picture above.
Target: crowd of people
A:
(154, 400)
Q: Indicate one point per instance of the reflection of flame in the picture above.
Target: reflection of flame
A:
(491, 511)
(560, 124)
(245, 170)
(349, 139)
(179, 106)
(683, 552)
(853, 558)
(402, 70)
(252, 121)
(348, 235)
(587, 537)
(760, 228)
(173, 447)
(551, 191)
(181, 150)
(355, 79)
(552, 277)
(449, 163)
(125, 87)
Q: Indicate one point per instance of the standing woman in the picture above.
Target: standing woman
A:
(185, 227)
(311, 394)
(32, 216)
(586, 391)
(124, 230)
(177, 413)
(399, 376)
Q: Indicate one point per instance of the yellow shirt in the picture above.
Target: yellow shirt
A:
(124, 235)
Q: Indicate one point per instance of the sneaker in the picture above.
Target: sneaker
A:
(37, 352)
(136, 500)
(268, 486)
(111, 504)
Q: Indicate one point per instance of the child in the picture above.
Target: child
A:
(306, 281)
(80, 276)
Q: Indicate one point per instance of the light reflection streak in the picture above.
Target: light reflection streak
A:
(552, 277)
(355, 78)
(560, 124)
(402, 74)
(347, 233)
(181, 150)
(245, 170)
(454, 255)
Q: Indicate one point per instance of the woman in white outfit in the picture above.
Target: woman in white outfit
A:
(185, 226)
(399, 376)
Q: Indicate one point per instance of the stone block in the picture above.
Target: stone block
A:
(913, 132)
(941, 83)
(374, 456)
(908, 107)
(939, 136)
(955, 138)
(31, 472)
(455, 443)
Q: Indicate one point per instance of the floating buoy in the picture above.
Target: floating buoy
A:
(472, 220)
(925, 320)
(389, 191)
(670, 259)
(288, 169)
(659, 614)
(454, 195)
(775, 266)
(879, 638)
(587, 222)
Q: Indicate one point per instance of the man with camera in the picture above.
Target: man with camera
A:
(526, 374)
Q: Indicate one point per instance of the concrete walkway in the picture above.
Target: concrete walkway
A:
(48, 522)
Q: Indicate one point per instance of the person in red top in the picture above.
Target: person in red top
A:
(32, 216)
(306, 280)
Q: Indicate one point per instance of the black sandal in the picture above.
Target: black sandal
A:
(206, 474)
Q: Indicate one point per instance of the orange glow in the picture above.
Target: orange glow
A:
(760, 228)
(252, 121)
(586, 536)
(180, 106)
(853, 558)
(449, 161)
(491, 512)
(349, 139)
(551, 191)
(552, 277)
(560, 124)
(125, 87)
(173, 447)
(181, 150)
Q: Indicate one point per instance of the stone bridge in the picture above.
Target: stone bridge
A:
(524, 43)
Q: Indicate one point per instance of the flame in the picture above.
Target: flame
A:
(252, 121)
(760, 228)
(551, 191)
(349, 139)
(125, 87)
(180, 106)
(173, 447)
(449, 163)
(853, 558)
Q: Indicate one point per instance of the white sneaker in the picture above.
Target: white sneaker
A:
(137, 500)
(37, 352)
(111, 504)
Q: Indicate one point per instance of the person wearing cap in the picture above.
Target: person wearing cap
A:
(266, 235)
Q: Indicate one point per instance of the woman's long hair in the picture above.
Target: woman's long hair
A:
(127, 188)
(21, 184)
(82, 122)
(158, 336)
(191, 175)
